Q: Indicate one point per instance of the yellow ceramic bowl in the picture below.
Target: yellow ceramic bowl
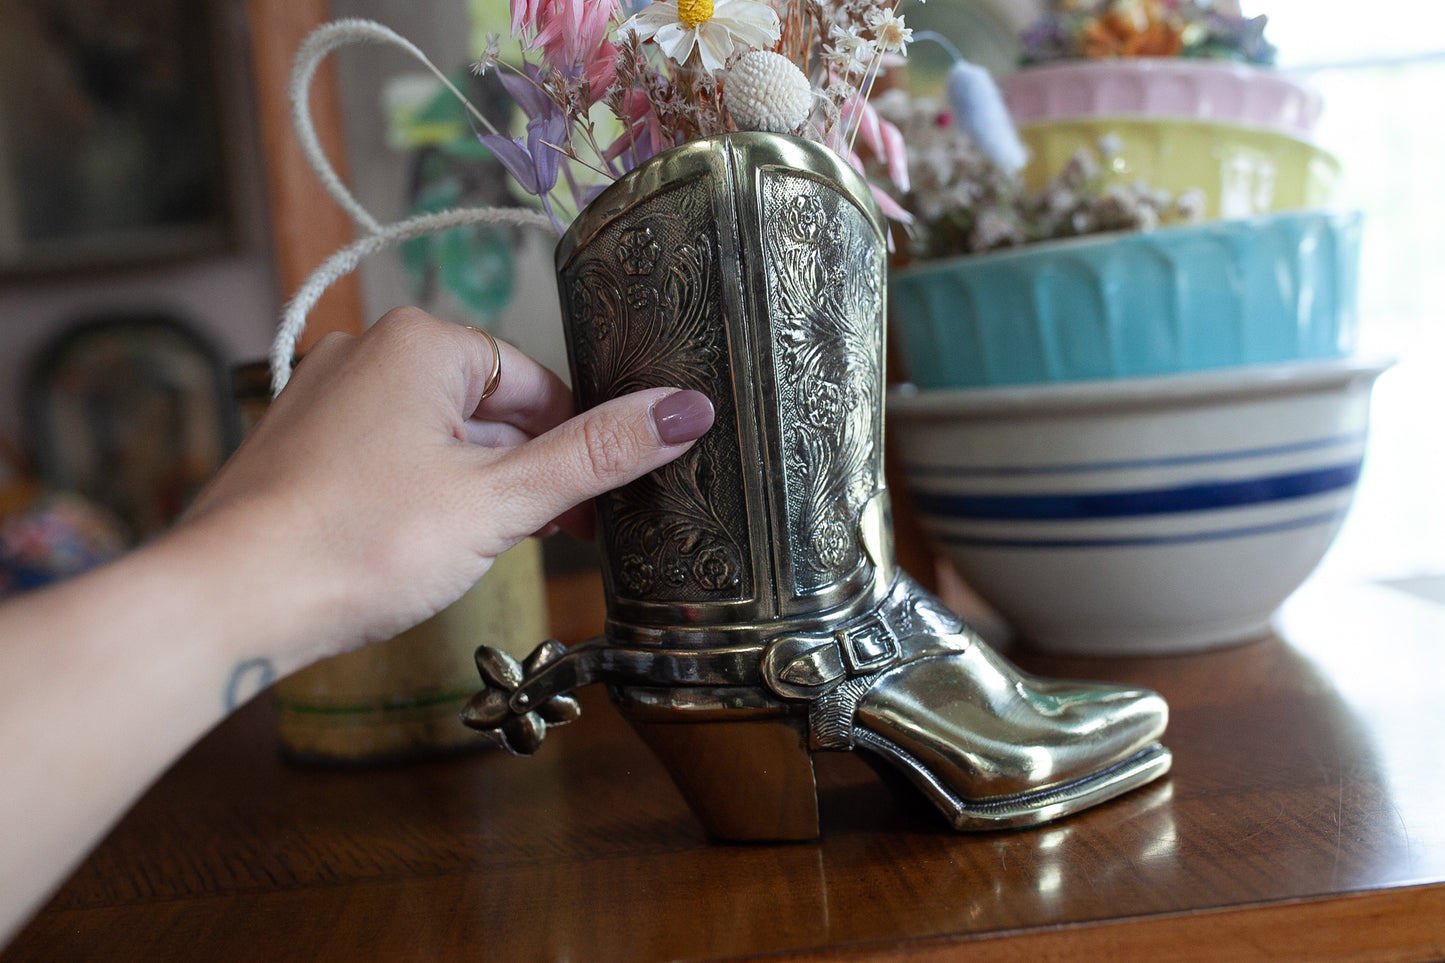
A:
(1243, 171)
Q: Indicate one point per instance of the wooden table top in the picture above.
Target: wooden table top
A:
(1302, 817)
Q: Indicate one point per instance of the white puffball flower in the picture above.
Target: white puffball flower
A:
(766, 91)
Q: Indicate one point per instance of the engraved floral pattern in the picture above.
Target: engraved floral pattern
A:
(637, 251)
(645, 309)
(824, 275)
(805, 217)
(715, 567)
(832, 543)
(638, 575)
(822, 403)
(639, 296)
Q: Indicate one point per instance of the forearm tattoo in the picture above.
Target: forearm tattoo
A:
(247, 679)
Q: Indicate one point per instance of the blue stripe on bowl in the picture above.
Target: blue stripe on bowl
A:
(967, 471)
(1204, 496)
(1137, 541)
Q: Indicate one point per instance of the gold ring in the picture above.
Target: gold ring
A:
(495, 378)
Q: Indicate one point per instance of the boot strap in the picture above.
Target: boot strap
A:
(807, 666)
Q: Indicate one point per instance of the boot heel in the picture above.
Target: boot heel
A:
(746, 781)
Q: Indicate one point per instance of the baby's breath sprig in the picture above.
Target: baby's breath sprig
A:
(964, 202)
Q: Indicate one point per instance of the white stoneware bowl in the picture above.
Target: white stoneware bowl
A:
(1139, 516)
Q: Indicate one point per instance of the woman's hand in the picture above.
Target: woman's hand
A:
(377, 489)
(385, 484)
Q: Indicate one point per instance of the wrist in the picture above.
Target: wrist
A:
(251, 581)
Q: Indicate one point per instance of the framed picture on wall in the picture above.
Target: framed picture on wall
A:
(110, 136)
(134, 412)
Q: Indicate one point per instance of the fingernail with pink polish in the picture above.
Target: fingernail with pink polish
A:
(682, 416)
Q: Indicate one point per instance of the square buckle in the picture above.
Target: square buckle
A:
(868, 646)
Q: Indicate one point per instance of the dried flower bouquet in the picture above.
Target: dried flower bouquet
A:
(603, 92)
(680, 70)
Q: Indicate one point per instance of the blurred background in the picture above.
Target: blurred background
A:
(140, 242)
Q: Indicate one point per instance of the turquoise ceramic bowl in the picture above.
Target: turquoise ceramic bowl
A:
(1274, 288)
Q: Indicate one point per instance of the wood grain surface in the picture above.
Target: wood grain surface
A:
(1302, 819)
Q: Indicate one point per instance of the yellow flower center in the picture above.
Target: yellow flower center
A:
(694, 12)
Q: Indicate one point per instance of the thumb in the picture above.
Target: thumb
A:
(601, 449)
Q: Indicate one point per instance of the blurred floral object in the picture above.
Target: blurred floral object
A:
(965, 201)
(53, 536)
(1108, 29)
(451, 168)
(47, 535)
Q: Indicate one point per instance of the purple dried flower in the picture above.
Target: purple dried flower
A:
(533, 163)
(1239, 36)
(1045, 40)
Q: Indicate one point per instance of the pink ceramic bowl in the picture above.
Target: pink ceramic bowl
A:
(1212, 90)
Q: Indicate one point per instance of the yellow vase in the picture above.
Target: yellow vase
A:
(400, 698)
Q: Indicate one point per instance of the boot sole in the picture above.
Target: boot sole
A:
(1026, 808)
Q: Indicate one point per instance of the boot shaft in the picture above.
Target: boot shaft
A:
(749, 267)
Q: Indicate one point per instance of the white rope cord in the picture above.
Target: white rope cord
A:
(346, 260)
(317, 46)
(321, 42)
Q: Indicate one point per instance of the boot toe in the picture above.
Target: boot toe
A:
(984, 731)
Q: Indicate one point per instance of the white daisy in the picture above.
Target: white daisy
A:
(713, 27)
(889, 31)
(849, 53)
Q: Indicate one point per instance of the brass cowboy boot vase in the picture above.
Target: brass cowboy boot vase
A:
(755, 611)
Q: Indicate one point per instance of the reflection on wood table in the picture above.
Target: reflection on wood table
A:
(1301, 818)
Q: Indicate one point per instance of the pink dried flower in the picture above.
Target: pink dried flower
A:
(524, 16)
(883, 138)
(571, 32)
(601, 72)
